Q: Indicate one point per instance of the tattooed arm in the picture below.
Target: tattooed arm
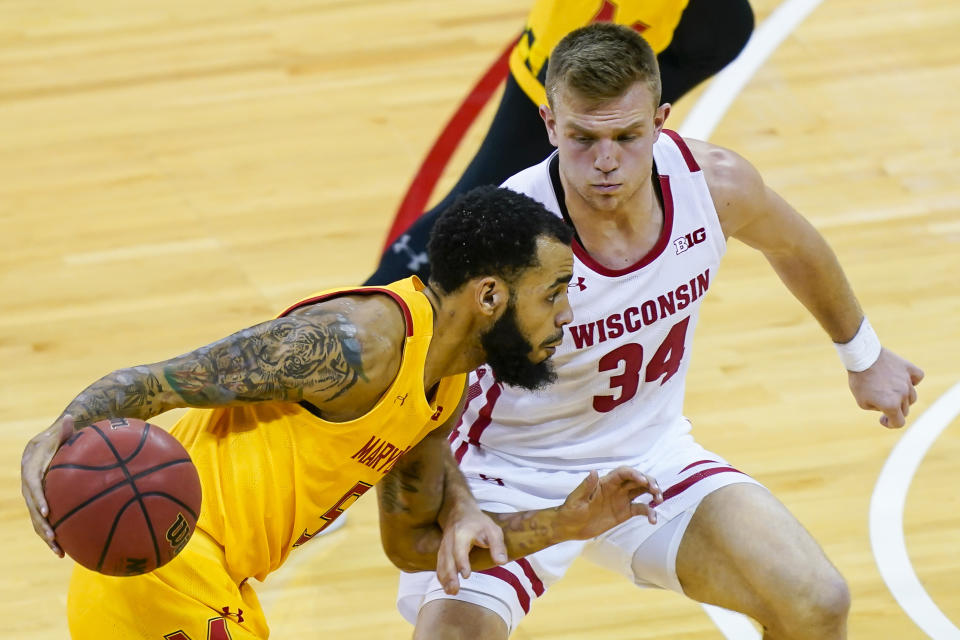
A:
(424, 495)
(429, 520)
(340, 355)
(315, 355)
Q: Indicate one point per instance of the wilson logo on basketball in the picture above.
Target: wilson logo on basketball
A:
(178, 533)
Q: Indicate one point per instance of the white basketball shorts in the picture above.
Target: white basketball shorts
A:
(646, 554)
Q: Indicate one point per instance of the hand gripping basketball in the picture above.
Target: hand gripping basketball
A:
(123, 496)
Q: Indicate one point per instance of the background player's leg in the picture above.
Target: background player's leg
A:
(456, 620)
(515, 141)
(710, 35)
(744, 551)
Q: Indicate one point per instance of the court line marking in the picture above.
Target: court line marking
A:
(886, 517)
(700, 123)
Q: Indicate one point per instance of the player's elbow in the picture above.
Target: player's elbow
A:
(406, 559)
(410, 563)
(404, 552)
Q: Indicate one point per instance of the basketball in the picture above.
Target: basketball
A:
(123, 495)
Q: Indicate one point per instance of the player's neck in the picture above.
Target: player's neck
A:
(622, 235)
(454, 347)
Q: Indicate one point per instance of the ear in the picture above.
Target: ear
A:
(550, 121)
(660, 117)
(492, 295)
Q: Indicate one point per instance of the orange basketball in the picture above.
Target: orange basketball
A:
(124, 496)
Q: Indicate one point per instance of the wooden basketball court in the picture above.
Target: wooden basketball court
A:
(172, 172)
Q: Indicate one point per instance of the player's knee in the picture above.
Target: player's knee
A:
(818, 610)
(456, 620)
(831, 602)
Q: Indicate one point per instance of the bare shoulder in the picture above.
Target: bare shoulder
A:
(362, 334)
(734, 183)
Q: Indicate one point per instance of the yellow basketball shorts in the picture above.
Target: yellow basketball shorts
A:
(191, 598)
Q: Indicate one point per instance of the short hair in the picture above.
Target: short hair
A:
(489, 231)
(600, 62)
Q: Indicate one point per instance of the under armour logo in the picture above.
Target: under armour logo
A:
(238, 615)
(401, 399)
(417, 259)
(578, 284)
(496, 481)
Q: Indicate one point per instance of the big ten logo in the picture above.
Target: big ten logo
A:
(178, 533)
(685, 242)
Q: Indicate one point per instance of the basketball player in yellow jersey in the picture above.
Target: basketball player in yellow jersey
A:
(297, 417)
(693, 40)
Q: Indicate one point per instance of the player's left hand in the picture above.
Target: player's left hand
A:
(33, 466)
(601, 503)
(888, 386)
(465, 530)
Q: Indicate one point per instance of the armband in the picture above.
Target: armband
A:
(863, 349)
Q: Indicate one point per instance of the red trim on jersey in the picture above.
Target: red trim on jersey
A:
(697, 464)
(461, 451)
(407, 316)
(662, 242)
(522, 596)
(484, 416)
(684, 150)
(473, 392)
(535, 581)
(680, 487)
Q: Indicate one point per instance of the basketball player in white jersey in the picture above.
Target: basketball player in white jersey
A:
(652, 213)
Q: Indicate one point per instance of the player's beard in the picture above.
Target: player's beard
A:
(508, 354)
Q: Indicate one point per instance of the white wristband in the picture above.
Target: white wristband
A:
(863, 349)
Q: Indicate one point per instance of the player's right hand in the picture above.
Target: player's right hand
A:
(599, 504)
(33, 465)
(888, 386)
(470, 528)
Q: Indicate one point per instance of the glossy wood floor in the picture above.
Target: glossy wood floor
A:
(171, 172)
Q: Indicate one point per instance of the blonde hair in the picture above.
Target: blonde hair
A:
(600, 62)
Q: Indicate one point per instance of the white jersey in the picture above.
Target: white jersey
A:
(623, 362)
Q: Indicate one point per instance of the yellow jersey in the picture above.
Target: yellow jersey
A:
(550, 20)
(275, 474)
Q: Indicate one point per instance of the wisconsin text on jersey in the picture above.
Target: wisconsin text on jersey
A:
(633, 318)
